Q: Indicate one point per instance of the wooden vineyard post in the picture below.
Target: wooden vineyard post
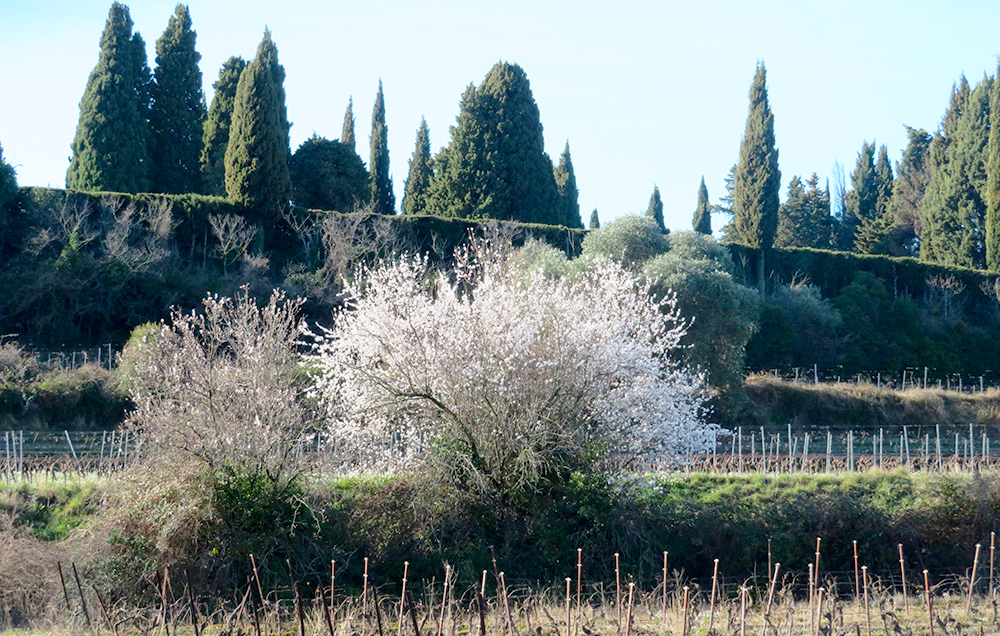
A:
(972, 582)
(927, 596)
(902, 575)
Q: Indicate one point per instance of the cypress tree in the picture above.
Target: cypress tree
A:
(992, 237)
(569, 204)
(875, 231)
(109, 150)
(176, 120)
(859, 202)
(495, 165)
(383, 198)
(655, 209)
(757, 178)
(421, 171)
(908, 193)
(267, 53)
(8, 190)
(215, 138)
(257, 156)
(953, 213)
(347, 134)
(595, 220)
(702, 220)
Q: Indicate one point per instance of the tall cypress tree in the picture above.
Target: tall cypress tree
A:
(953, 212)
(495, 165)
(595, 220)
(383, 198)
(992, 237)
(874, 231)
(110, 149)
(655, 209)
(176, 120)
(215, 138)
(347, 133)
(859, 202)
(267, 53)
(569, 204)
(702, 220)
(757, 179)
(257, 156)
(421, 171)
(804, 218)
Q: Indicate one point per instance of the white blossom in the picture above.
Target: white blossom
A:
(505, 376)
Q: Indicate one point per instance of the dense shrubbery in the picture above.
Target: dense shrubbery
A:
(697, 518)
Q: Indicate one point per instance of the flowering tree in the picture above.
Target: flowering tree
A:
(502, 378)
(222, 387)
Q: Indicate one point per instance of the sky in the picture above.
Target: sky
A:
(646, 93)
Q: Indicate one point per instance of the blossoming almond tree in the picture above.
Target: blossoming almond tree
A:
(503, 379)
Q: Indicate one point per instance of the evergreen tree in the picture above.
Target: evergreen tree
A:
(595, 220)
(953, 213)
(859, 201)
(757, 178)
(569, 205)
(8, 190)
(654, 210)
(267, 53)
(176, 120)
(992, 234)
(383, 198)
(257, 156)
(347, 133)
(874, 232)
(421, 171)
(215, 138)
(328, 175)
(908, 193)
(804, 218)
(702, 220)
(495, 165)
(109, 150)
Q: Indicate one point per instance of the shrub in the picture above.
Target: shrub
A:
(506, 382)
(629, 240)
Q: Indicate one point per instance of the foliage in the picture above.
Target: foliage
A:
(221, 389)
(569, 205)
(177, 116)
(992, 220)
(797, 313)
(328, 175)
(595, 220)
(347, 131)
(702, 219)
(724, 312)
(257, 156)
(953, 213)
(421, 172)
(215, 138)
(109, 150)
(495, 166)
(629, 240)
(505, 382)
(654, 210)
(804, 218)
(757, 179)
(383, 199)
(908, 193)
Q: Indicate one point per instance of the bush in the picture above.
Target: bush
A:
(629, 240)
(508, 388)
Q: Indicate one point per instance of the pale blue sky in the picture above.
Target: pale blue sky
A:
(646, 92)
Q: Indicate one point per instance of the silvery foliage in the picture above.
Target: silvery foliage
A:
(506, 377)
(223, 387)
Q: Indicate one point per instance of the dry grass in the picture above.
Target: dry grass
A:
(842, 405)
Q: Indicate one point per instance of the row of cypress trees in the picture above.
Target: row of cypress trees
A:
(150, 131)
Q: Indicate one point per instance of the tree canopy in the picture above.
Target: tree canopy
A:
(110, 149)
(757, 179)
(383, 198)
(421, 171)
(176, 120)
(328, 175)
(495, 165)
(215, 138)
